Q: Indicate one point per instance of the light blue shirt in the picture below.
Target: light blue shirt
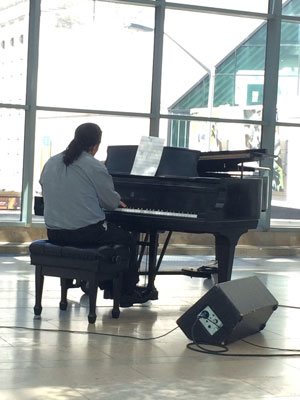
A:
(75, 195)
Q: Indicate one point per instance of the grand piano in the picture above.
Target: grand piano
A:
(192, 192)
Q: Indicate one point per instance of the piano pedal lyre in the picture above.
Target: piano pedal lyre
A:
(205, 271)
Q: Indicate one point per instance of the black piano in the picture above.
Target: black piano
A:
(192, 192)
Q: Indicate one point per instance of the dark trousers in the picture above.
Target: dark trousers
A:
(96, 234)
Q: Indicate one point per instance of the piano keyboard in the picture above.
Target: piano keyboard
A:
(156, 212)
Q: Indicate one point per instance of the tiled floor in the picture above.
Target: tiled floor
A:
(61, 357)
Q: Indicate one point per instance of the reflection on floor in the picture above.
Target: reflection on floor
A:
(62, 357)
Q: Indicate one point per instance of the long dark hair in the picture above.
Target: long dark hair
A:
(86, 136)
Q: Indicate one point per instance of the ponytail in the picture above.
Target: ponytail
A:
(72, 152)
(86, 136)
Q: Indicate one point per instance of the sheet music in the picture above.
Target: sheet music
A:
(148, 156)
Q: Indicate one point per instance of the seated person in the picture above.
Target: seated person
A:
(77, 188)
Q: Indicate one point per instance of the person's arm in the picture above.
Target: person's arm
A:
(109, 199)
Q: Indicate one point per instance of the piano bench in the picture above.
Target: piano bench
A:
(88, 264)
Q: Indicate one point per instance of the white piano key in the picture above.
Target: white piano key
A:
(156, 212)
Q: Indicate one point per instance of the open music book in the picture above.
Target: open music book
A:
(148, 156)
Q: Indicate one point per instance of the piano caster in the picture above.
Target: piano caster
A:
(37, 311)
(63, 305)
(92, 318)
(115, 313)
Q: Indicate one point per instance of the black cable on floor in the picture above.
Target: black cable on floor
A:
(221, 349)
(284, 306)
(86, 332)
(268, 347)
(224, 349)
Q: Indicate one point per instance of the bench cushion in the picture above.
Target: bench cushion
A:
(93, 258)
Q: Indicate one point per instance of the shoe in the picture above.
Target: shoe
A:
(108, 293)
(151, 293)
(137, 297)
(141, 291)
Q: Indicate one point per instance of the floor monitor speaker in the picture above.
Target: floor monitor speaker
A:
(229, 311)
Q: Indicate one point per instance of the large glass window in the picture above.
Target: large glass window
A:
(285, 198)
(222, 77)
(288, 101)
(11, 160)
(291, 7)
(97, 60)
(55, 130)
(13, 51)
(90, 58)
(214, 136)
(13, 62)
(209, 72)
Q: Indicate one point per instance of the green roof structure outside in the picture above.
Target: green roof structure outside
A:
(249, 55)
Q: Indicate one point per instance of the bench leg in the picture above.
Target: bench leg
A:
(117, 286)
(64, 285)
(39, 284)
(93, 289)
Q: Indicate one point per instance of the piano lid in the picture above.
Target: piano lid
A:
(183, 162)
(222, 161)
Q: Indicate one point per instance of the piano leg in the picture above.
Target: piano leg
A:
(151, 240)
(225, 244)
(140, 247)
(163, 250)
(153, 248)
